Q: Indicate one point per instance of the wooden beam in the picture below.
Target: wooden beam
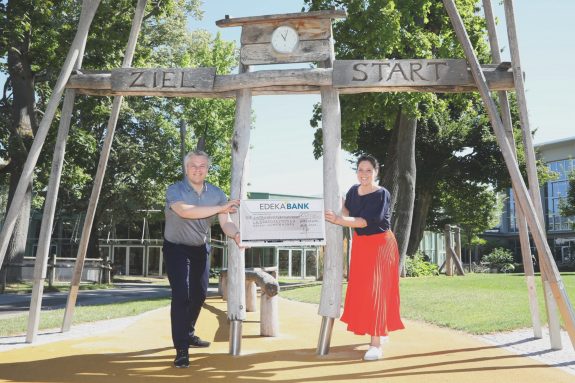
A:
(100, 172)
(285, 82)
(524, 199)
(89, 8)
(238, 21)
(308, 29)
(521, 222)
(306, 51)
(531, 166)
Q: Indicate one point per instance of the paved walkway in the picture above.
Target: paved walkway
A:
(11, 304)
(139, 350)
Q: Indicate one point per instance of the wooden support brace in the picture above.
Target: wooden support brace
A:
(100, 172)
(521, 222)
(523, 197)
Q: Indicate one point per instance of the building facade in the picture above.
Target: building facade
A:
(559, 157)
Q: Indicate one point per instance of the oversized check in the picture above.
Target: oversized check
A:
(282, 223)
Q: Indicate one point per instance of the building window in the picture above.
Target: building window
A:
(557, 190)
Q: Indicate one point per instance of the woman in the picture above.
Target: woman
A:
(372, 299)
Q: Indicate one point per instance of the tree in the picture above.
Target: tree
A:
(473, 207)
(384, 29)
(34, 40)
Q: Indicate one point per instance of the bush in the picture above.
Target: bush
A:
(417, 266)
(500, 259)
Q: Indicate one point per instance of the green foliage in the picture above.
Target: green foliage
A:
(471, 206)
(499, 258)
(145, 155)
(417, 266)
(388, 29)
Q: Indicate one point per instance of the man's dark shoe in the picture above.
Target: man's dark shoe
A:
(182, 359)
(195, 341)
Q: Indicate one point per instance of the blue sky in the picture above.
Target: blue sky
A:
(281, 156)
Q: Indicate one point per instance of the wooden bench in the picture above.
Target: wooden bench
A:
(265, 279)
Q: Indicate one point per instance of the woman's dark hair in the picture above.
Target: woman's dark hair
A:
(371, 159)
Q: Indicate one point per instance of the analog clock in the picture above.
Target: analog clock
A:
(284, 39)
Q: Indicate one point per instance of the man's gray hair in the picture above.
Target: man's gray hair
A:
(197, 153)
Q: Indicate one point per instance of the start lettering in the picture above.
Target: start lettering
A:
(406, 71)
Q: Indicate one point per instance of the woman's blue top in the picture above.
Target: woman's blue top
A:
(373, 207)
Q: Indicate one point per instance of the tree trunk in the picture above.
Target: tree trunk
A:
(389, 178)
(23, 124)
(423, 200)
(406, 188)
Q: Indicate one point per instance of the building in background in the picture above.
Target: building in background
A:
(559, 156)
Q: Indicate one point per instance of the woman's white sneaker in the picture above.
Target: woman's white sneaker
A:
(373, 353)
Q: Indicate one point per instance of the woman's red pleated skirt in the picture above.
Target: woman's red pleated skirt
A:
(372, 298)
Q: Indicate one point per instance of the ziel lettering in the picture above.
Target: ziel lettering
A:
(161, 79)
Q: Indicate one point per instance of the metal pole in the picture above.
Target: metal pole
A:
(325, 335)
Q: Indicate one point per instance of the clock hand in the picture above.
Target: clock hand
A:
(284, 36)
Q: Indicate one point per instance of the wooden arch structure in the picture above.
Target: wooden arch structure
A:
(313, 43)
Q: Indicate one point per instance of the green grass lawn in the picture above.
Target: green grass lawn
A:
(475, 303)
(51, 319)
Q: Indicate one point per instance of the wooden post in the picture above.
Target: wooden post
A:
(458, 243)
(520, 218)
(42, 253)
(523, 197)
(223, 285)
(100, 172)
(183, 144)
(236, 256)
(89, 8)
(269, 321)
(251, 296)
(330, 302)
(448, 258)
(531, 165)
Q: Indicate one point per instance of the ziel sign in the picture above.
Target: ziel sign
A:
(168, 80)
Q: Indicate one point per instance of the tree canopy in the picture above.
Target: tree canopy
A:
(455, 149)
(146, 154)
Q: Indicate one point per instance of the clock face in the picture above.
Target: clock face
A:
(284, 39)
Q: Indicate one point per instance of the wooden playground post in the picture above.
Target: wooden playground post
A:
(330, 300)
(520, 217)
(236, 293)
(448, 259)
(100, 172)
(523, 196)
(42, 253)
(531, 164)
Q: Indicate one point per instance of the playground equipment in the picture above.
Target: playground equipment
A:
(295, 38)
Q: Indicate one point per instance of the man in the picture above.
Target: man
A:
(190, 206)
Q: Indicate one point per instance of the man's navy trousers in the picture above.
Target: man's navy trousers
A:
(188, 272)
